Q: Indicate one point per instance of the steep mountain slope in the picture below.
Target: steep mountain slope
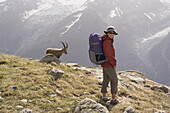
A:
(160, 60)
(29, 27)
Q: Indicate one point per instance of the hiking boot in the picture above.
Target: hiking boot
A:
(105, 99)
(114, 102)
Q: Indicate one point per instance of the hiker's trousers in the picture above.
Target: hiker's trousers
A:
(109, 75)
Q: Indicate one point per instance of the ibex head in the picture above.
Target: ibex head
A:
(65, 47)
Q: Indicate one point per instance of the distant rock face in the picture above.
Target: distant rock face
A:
(90, 106)
(56, 73)
(50, 58)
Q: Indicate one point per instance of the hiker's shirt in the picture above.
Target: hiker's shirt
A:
(109, 52)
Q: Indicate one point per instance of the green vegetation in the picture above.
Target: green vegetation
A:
(44, 94)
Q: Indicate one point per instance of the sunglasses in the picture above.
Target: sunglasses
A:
(112, 32)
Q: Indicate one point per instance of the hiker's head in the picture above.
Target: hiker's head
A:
(110, 31)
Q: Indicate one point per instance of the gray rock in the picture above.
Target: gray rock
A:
(160, 111)
(56, 73)
(137, 79)
(18, 106)
(147, 86)
(14, 87)
(49, 101)
(52, 95)
(50, 58)
(72, 65)
(162, 88)
(129, 110)
(165, 89)
(81, 76)
(75, 68)
(89, 106)
(58, 91)
(26, 111)
(124, 84)
(59, 108)
(24, 100)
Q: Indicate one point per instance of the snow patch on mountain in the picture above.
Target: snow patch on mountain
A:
(149, 17)
(2, 1)
(69, 26)
(144, 45)
(113, 14)
(43, 5)
(162, 33)
(91, 0)
(116, 12)
(76, 4)
(119, 11)
(163, 1)
(73, 6)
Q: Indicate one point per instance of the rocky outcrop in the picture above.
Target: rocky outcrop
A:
(134, 76)
(56, 73)
(162, 88)
(137, 79)
(50, 58)
(90, 106)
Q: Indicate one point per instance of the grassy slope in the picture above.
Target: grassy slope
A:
(35, 84)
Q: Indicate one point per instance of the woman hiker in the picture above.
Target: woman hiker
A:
(109, 67)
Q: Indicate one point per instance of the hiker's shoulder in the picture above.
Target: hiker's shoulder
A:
(105, 37)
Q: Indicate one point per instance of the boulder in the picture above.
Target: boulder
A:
(56, 73)
(50, 58)
(162, 88)
(129, 110)
(90, 106)
(147, 85)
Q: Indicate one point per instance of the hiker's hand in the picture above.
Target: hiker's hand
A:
(115, 67)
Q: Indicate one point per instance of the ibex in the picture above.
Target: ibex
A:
(57, 52)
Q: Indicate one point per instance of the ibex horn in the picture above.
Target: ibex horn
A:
(63, 44)
(66, 45)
